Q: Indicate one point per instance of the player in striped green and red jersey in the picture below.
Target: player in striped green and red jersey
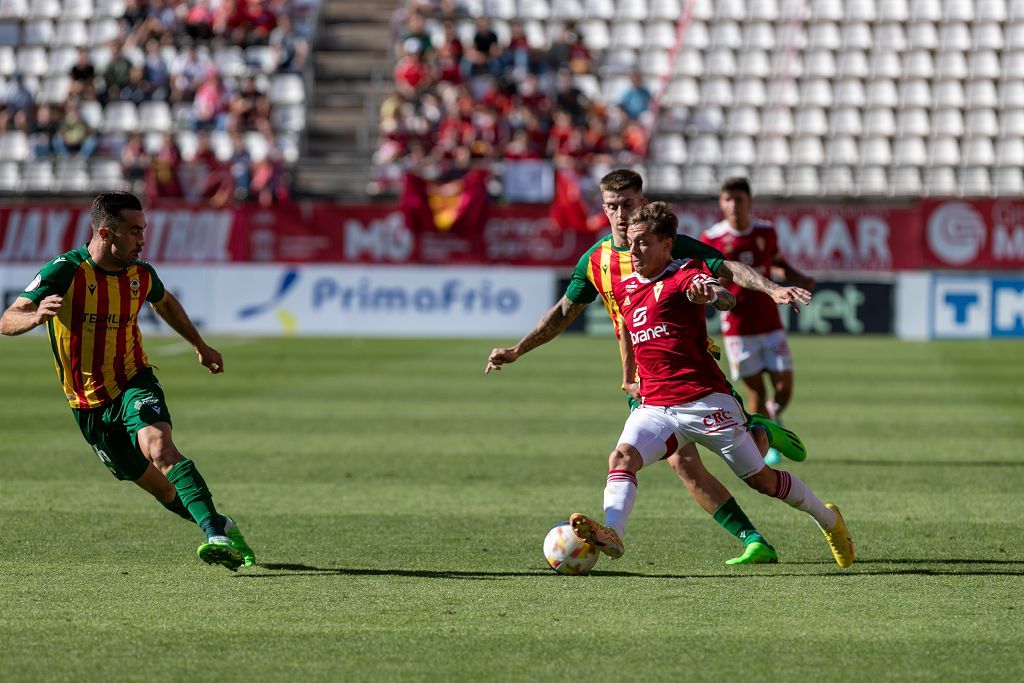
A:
(89, 299)
(606, 262)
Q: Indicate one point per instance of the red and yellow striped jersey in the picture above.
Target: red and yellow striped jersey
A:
(95, 338)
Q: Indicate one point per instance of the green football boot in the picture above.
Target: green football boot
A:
(756, 553)
(219, 550)
(783, 440)
(238, 540)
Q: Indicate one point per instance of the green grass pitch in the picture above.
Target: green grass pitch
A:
(397, 499)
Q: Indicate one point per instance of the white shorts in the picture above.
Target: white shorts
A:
(748, 355)
(715, 422)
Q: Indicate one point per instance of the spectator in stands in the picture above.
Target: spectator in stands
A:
(199, 21)
(209, 104)
(415, 30)
(637, 98)
(83, 75)
(134, 159)
(240, 165)
(290, 49)
(44, 128)
(569, 51)
(18, 104)
(162, 172)
(74, 137)
(452, 42)
(116, 74)
(187, 71)
(515, 59)
(412, 73)
(162, 20)
(138, 89)
(248, 107)
(135, 13)
(156, 73)
(569, 98)
(484, 54)
(268, 182)
(259, 22)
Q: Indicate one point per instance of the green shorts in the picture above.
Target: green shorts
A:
(112, 430)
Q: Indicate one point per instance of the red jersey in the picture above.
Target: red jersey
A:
(669, 335)
(754, 312)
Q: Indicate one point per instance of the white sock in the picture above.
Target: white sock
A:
(619, 496)
(794, 492)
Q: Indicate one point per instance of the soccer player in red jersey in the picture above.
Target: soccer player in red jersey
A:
(685, 397)
(755, 341)
(595, 275)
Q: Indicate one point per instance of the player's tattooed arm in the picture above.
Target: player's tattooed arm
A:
(173, 313)
(792, 274)
(748, 278)
(24, 315)
(551, 324)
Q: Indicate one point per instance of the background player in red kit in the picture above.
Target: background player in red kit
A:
(685, 396)
(755, 341)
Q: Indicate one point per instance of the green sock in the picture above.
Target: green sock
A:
(736, 522)
(178, 508)
(196, 498)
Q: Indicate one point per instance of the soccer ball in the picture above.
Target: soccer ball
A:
(567, 553)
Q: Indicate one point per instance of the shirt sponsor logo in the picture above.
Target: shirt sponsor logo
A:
(632, 287)
(109, 319)
(649, 333)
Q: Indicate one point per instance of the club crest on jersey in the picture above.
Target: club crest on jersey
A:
(135, 287)
(92, 289)
(657, 290)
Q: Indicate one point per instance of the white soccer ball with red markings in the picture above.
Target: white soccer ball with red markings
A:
(567, 553)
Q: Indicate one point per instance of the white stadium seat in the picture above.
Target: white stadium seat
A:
(872, 181)
(777, 121)
(925, 10)
(842, 151)
(922, 36)
(949, 122)
(987, 37)
(910, 151)
(845, 121)
(773, 151)
(852, 64)
(975, 182)
(753, 63)
(918, 64)
(663, 9)
(769, 180)
(983, 64)
(893, 10)
(803, 181)
(838, 180)
(705, 149)
(1011, 123)
(599, 9)
(744, 121)
(1008, 181)
(820, 64)
(768, 10)
(943, 151)
(913, 122)
(906, 180)
(886, 64)
(880, 122)
(940, 181)
(808, 150)
(37, 176)
(875, 152)
(631, 9)
(739, 149)
(811, 121)
(982, 123)
(978, 152)
(669, 148)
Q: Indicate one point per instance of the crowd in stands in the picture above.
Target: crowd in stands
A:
(462, 96)
(181, 92)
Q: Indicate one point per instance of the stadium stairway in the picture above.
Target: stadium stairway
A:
(351, 70)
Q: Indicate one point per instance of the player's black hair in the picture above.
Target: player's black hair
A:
(107, 207)
(736, 184)
(620, 180)
(659, 216)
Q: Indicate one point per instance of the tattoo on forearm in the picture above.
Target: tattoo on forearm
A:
(551, 325)
(748, 278)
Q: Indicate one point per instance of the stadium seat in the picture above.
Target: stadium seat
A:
(10, 33)
(717, 92)
(720, 62)
(957, 10)
(940, 181)
(949, 122)
(753, 64)
(783, 92)
(666, 178)
(705, 149)
(682, 92)
(100, 57)
(751, 92)
(287, 89)
(77, 9)
(857, 36)
(739, 149)
(792, 10)
(689, 63)
(288, 144)
(71, 176)
(872, 181)
(863, 10)
(500, 9)
(842, 151)
(826, 10)
(110, 8)
(758, 36)
(981, 94)
(631, 9)
(669, 148)
(882, 93)
(787, 64)
(983, 64)
(880, 122)
(951, 65)
(892, 10)
(777, 121)
(120, 117)
(37, 176)
(769, 180)
(906, 180)
(990, 10)
(733, 10)
(773, 151)
(663, 9)
(700, 179)
(7, 63)
(838, 180)
(918, 64)
(613, 87)
(1011, 123)
(845, 121)
(852, 64)
(595, 35)
(910, 151)
(43, 9)
(925, 10)
(913, 122)
(599, 9)
(71, 33)
(566, 9)
(1011, 94)
(660, 35)
(1015, 36)
(975, 182)
(262, 58)
(707, 120)
(803, 181)
(627, 34)
(890, 37)
(10, 176)
(13, 146)
(54, 90)
(743, 121)
(954, 36)
(230, 61)
(1008, 181)
(849, 92)
(697, 36)
(820, 64)
(811, 121)
(886, 64)
(987, 37)
(824, 36)
(978, 152)
(105, 175)
(948, 94)
(762, 11)
(917, 93)
(726, 34)
(922, 36)
(31, 60)
(982, 123)
(91, 112)
(620, 62)
(37, 32)
(943, 151)
(808, 150)
(156, 116)
(13, 9)
(534, 10)
(875, 152)
(586, 84)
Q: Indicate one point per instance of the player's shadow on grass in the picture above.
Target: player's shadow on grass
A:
(310, 570)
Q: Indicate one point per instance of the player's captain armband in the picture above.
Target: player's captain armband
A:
(35, 283)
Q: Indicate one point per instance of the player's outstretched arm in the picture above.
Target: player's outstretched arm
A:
(172, 312)
(24, 315)
(792, 274)
(748, 278)
(551, 324)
